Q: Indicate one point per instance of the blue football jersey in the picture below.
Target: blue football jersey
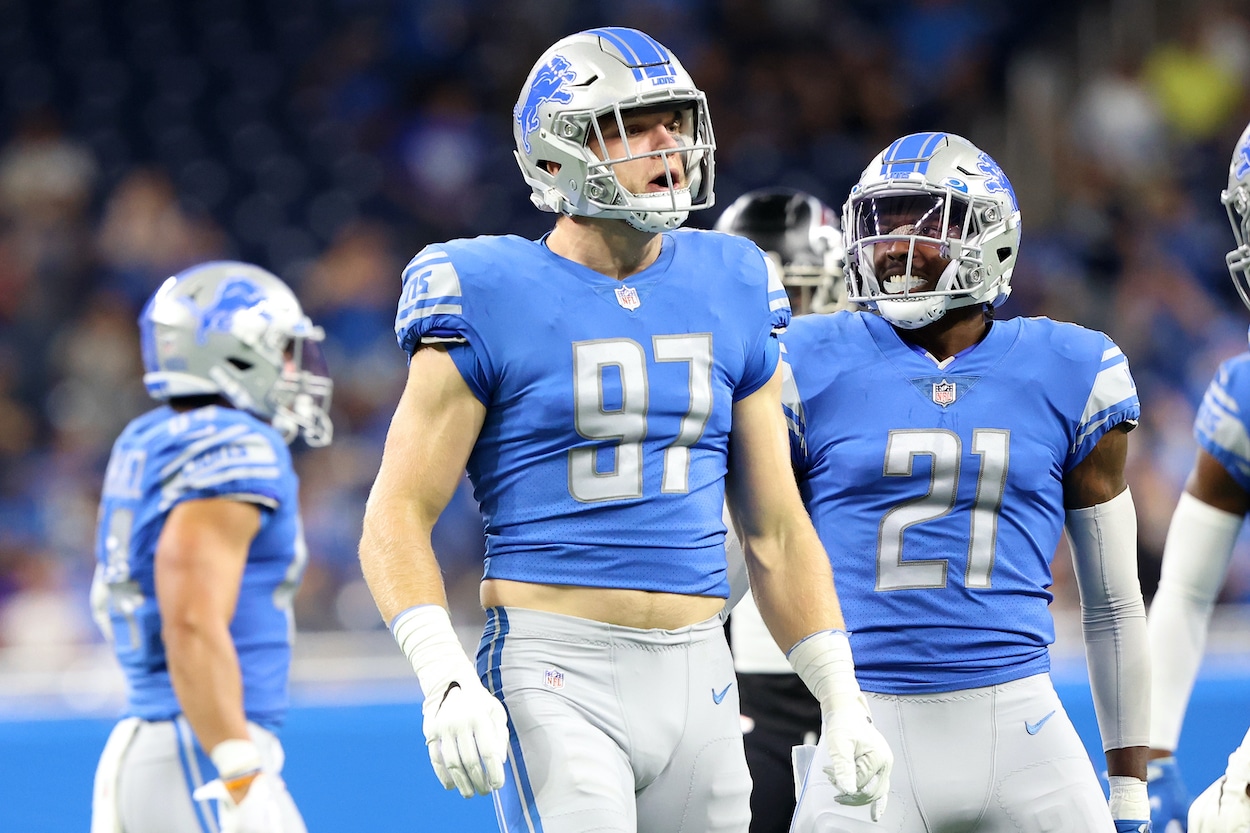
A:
(160, 460)
(602, 459)
(938, 492)
(1221, 427)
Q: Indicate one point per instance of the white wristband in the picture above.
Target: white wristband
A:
(823, 661)
(1128, 797)
(426, 637)
(235, 757)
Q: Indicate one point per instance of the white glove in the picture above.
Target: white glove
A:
(259, 811)
(1224, 806)
(860, 760)
(466, 727)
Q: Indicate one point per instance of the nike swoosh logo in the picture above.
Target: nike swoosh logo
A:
(717, 698)
(1034, 728)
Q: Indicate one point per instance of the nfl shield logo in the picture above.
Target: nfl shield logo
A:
(944, 393)
(627, 297)
(555, 679)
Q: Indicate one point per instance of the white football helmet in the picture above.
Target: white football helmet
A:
(1236, 200)
(602, 73)
(935, 189)
(801, 234)
(237, 331)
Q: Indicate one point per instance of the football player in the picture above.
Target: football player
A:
(589, 381)
(801, 235)
(1196, 556)
(200, 552)
(941, 451)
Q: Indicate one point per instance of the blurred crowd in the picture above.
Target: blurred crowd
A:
(329, 140)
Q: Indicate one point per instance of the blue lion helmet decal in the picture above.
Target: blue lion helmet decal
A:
(1243, 159)
(548, 86)
(232, 296)
(995, 179)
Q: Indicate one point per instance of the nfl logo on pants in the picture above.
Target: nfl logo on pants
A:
(555, 679)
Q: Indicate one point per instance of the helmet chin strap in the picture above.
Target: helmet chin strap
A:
(914, 313)
(661, 219)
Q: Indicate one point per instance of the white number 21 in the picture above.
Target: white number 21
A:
(625, 424)
(943, 447)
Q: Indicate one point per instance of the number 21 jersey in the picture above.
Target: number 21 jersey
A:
(938, 490)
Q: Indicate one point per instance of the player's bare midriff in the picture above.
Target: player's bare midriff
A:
(643, 609)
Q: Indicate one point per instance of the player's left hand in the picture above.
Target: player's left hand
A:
(257, 812)
(860, 759)
(1222, 807)
(466, 734)
(1169, 800)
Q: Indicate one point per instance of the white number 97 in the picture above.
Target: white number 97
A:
(625, 424)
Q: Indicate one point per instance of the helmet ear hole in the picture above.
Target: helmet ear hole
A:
(239, 364)
(1004, 255)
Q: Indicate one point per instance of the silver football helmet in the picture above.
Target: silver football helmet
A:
(932, 189)
(1236, 200)
(237, 331)
(800, 233)
(585, 80)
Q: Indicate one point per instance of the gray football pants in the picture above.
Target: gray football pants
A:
(998, 759)
(614, 728)
(149, 769)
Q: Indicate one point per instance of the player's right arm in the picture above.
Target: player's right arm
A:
(431, 436)
(1196, 556)
(792, 583)
(200, 557)
(427, 447)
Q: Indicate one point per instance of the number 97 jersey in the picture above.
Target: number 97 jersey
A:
(601, 462)
(938, 489)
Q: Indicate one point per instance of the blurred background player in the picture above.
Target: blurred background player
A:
(589, 381)
(941, 453)
(801, 235)
(200, 551)
(1196, 557)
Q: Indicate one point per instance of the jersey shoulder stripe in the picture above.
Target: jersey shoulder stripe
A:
(441, 283)
(431, 286)
(229, 454)
(778, 298)
(1220, 426)
(1073, 357)
(1113, 397)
